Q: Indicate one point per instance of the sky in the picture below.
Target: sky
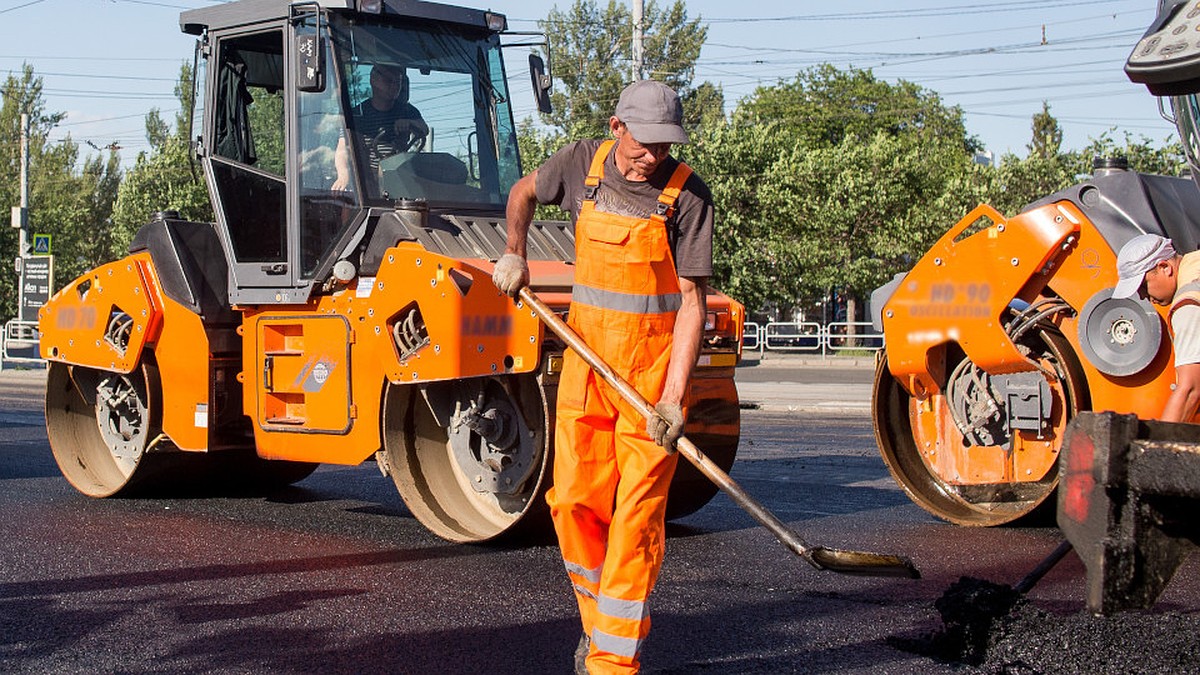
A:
(105, 63)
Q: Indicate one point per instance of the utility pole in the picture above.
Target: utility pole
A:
(20, 220)
(35, 272)
(638, 53)
(23, 238)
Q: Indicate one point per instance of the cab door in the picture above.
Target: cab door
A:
(246, 141)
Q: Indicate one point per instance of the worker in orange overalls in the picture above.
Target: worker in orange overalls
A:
(643, 254)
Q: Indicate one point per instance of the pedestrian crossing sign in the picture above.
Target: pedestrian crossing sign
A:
(41, 244)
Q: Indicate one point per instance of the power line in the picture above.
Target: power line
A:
(13, 9)
(924, 12)
(90, 76)
(90, 59)
(975, 32)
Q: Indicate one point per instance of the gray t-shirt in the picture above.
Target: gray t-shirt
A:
(560, 181)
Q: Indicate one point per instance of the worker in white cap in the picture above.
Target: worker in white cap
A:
(1149, 266)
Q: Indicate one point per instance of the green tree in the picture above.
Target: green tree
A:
(831, 181)
(1047, 135)
(1018, 182)
(74, 207)
(754, 257)
(165, 178)
(70, 196)
(823, 106)
(21, 93)
(861, 210)
(1143, 155)
(591, 54)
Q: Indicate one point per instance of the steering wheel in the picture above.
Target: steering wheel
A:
(409, 136)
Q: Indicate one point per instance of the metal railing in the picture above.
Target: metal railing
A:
(810, 337)
(852, 335)
(793, 337)
(19, 342)
(751, 337)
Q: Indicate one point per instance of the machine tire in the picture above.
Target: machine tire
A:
(88, 440)
(893, 413)
(100, 425)
(430, 474)
(714, 426)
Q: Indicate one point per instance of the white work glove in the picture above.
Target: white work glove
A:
(511, 274)
(667, 426)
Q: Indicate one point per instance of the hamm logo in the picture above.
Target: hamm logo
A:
(314, 375)
(487, 325)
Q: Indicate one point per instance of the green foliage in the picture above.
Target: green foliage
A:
(1047, 135)
(166, 178)
(1018, 181)
(70, 197)
(591, 55)
(831, 181)
(75, 208)
(824, 106)
(1166, 158)
(862, 208)
(753, 259)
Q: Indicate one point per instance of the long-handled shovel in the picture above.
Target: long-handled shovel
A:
(820, 557)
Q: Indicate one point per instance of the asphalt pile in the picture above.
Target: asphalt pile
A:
(991, 628)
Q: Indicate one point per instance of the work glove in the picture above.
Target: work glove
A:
(667, 426)
(511, 274)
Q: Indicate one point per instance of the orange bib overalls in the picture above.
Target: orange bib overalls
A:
(610, 480)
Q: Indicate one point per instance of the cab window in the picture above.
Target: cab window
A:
(248, 145)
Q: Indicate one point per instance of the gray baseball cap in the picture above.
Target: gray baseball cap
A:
(1138, 256)
(652, 112)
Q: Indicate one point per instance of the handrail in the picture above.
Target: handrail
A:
(811, 337)
(19, 342)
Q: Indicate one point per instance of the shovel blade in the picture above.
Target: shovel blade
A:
(863, 563)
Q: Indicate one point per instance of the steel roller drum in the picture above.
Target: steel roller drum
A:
(1119, 336)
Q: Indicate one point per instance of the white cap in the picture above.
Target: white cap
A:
(1138, 256)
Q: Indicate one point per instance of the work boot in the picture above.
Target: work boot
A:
(581, 654)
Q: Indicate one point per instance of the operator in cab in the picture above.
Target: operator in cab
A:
(384, 124)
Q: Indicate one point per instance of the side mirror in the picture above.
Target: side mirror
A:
(541, 83)
(310, 71)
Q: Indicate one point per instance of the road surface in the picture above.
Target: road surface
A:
(333, 575)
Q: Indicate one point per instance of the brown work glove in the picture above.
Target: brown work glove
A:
(667, 426)
(511, 274)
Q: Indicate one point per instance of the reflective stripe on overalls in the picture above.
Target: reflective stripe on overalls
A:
(610, 480)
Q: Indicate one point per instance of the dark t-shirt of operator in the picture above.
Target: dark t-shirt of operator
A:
(377, 128)
(560, 181)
